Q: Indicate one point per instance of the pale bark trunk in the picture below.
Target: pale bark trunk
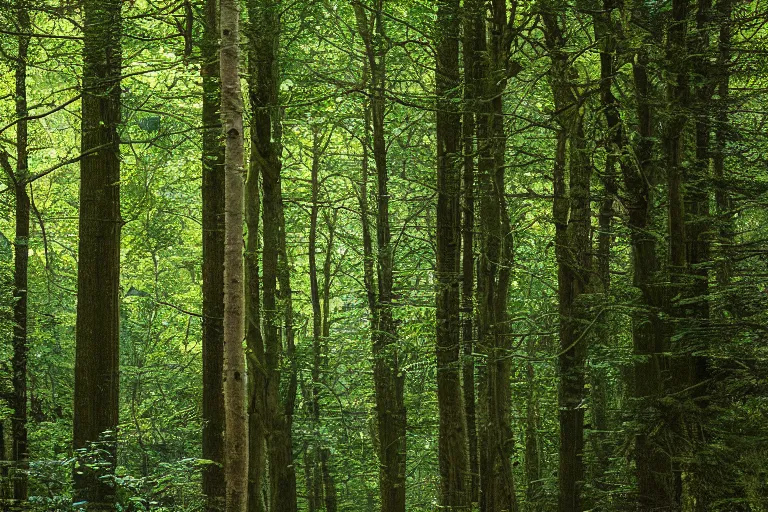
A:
(236, 429)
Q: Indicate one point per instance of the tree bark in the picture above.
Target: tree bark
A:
(97, 402)
(605, 35)
(473, 45)
(655, 486)
(257, 374)
(388, 379)
(20, 455)
(276, 303)
(254, 342)
(329, 484)
(453, 444)
(236, 424)
(572, 216)
(497, 486)
(317, 319)
(323, 490)
(214, 486)
(723, 199)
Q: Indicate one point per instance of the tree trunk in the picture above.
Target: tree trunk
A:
(496, 479)
(605, 35)
(323, 490)
(254, 342)
(317, 319)
(572, 216)
(20, 455)
(655, 485)
(329, 484)
(723, 199)
(236, 424)
(694, 339)
(497, 486)
(214, 486)
(678, 101)
(473, 45)
(257, 375)
(97, 399)
(455, 483)
(266, 140)
(388, 379)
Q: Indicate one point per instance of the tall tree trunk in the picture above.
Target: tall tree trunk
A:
(329, 484)
(497, 486)
(236, 424)
(473, 45)
(323, 490)
(677, 97)
(388, 379)
(572, 216)
(314, 488)
(723, 199)
(655, 486)
(678, 101)
(266, 139)
(455, 483)
(97, 399)
(288, 402)
(214, 486)
(258, 422)
(319, 322)
(254, 341)
(695, 339)
(20, 453)
(605, 35)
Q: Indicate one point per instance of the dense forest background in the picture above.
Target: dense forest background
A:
(501, 255)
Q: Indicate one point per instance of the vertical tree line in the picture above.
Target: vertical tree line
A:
(97, 361)
(434, 231)
(213, 261)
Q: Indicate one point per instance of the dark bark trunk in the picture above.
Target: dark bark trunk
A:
(677, 98)
(276, 303)
(20, 455)
(453, 458)
(605, 35)
(473, 42)
(388, 379)
(497, 486)
(316, 490)
(254, 341)
(572, 216)
(655, 485)
(214, 486)
(678, 103)
(723, 199)
(533, 492)
(96, 405)
(694, 338)
(323, 489)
